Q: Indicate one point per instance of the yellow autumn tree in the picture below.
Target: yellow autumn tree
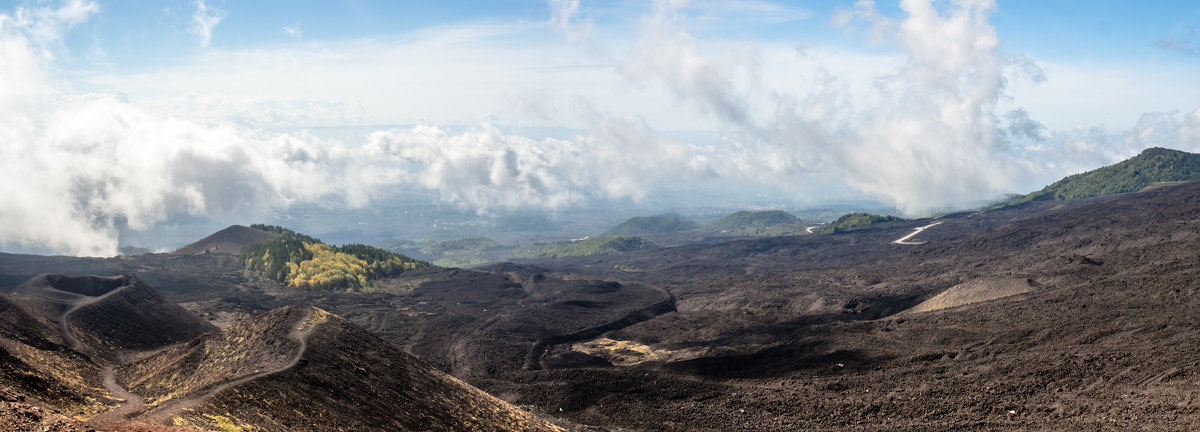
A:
(328, 269)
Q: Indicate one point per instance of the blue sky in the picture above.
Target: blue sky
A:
(130, 38)
(130, 31)
(532, 105)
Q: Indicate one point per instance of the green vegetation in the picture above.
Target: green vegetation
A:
(468, 246)
(758, 223)
(652, 224)
(1153, 165)
(304, 262)
(855, 220)
(590, 247)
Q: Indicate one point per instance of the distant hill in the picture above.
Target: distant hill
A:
(1153, 165)
(598, 246)
(757, 223)
(463, 246)
(525, 223)
(855, 220)
(229, 241)
(641, 225)
(304, 262)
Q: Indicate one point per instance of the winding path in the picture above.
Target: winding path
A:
(132, 403)
(917, 230)
(79, 301)
(173, 407)
(108, 379)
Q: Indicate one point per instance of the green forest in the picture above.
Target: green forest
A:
(306, 263)
(1153, 165)
(595, 246)
(855, 220)
(758, 223)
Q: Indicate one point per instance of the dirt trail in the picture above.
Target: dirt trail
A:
(166, 411)
(917, 230)
(132, 403)
(79, 302)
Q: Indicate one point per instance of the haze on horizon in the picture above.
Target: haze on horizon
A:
(125, 116)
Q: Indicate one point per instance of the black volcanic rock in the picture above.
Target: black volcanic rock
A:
(228, 241)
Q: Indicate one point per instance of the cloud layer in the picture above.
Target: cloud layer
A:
(925, 134)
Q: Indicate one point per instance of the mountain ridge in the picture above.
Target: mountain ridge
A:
(1152, 165)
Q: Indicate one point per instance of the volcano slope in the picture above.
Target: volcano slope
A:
(301, 368)
(108, 318)
(807, 332)
(68, 341)
(59, 333)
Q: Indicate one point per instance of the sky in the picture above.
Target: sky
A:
(127, 115)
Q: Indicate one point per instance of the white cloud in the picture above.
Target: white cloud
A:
(666, 51)
(204, 21)
(933, 142)
(929, 126)
(90, 164)
(1186, 42)
(294, 30)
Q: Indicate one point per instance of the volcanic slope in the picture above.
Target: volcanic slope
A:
(301, 368)
(36, 363)
(110, 317)
(1072, 315)
(230, 240)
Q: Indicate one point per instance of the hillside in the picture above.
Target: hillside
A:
(60, 335)
(642, 225)
(1153, 165)
(229, 241)
(757, 223)
(325, 370)
(107, 317)
(37, 361)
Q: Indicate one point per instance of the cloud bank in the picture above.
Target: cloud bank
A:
(928, 136)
